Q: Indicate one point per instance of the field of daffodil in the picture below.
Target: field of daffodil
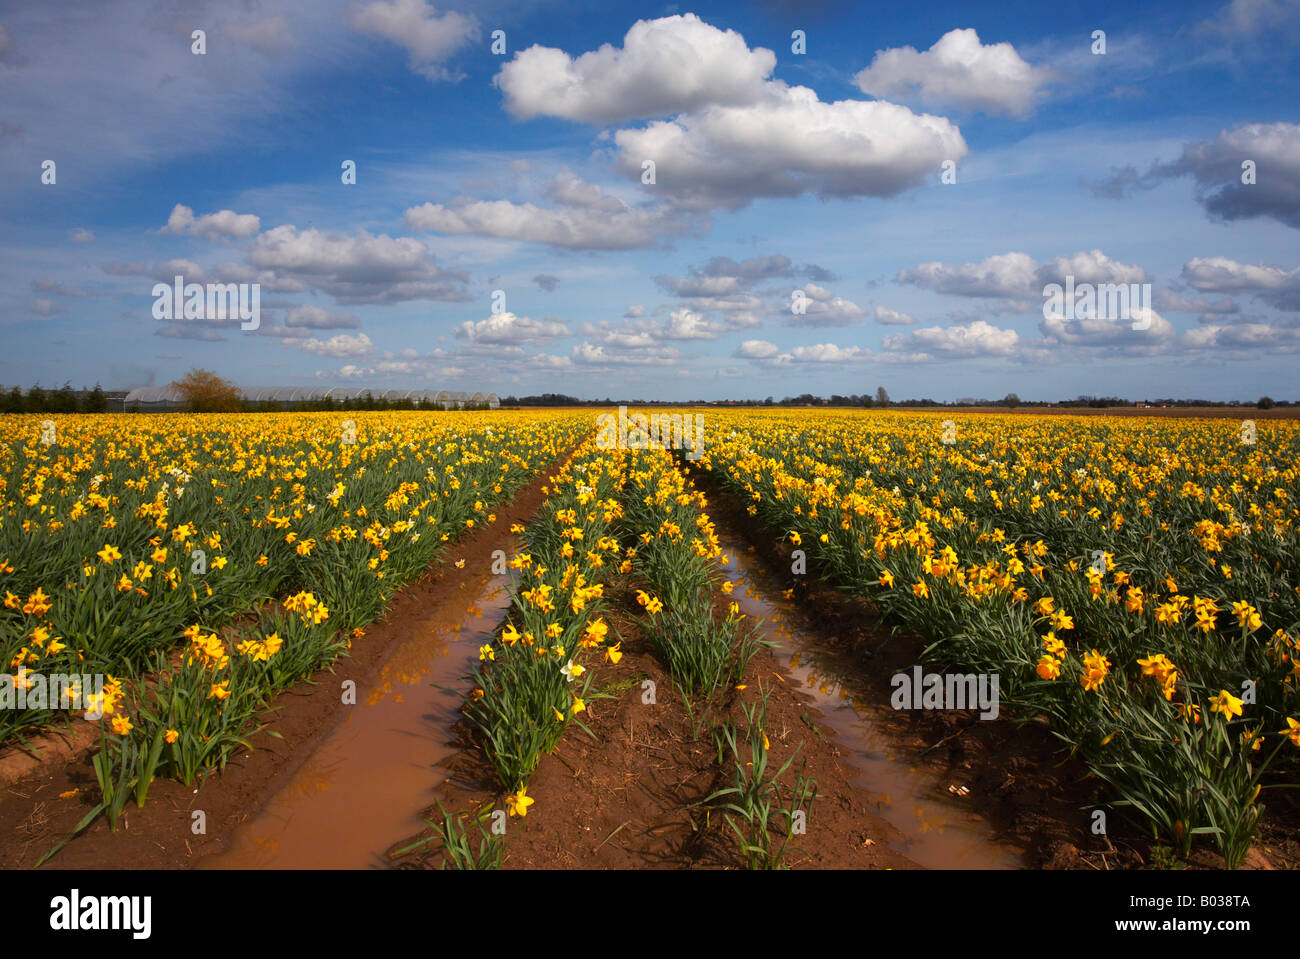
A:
(1135, 581)
(204, 562)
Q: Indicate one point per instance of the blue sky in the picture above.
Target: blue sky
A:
(775, 171)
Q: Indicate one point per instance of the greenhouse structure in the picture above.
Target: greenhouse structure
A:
(166, 398)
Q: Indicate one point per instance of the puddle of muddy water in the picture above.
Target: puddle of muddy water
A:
(361, 788)
(943, 833)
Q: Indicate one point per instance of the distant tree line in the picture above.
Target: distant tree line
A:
(363, 402)
(549, 399)
(202, 392)
(205, 392)
(881, 399)
(62, 400)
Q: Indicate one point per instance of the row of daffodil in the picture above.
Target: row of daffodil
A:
(129, 534)
(679, 556)
(608, 512)
(1136, 581)
(706, 651)
(534, 678)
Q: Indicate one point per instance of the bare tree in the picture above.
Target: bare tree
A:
(205, 392)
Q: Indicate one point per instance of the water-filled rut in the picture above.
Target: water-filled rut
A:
(363, 786)
(942, 833)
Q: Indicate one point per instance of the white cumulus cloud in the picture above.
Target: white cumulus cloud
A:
(221, 223)
(671, 65)
(1004, 274)
(957, 70)
(342, 345)
(757, 350)
(788, 144)
(973, 339)
(506, 327)
(892, 317)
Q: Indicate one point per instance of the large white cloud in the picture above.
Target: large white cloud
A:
(787, 144)
(734, 135)
(671, 65)
(957, 70)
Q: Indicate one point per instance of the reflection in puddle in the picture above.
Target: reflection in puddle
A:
(942, 833)
(363, 786)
